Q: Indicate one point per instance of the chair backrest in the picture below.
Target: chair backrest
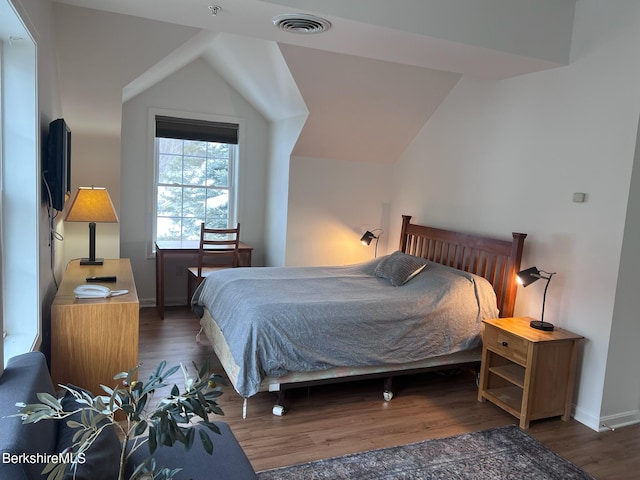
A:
(219, 247)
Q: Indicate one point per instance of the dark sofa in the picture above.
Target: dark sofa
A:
(23, 447)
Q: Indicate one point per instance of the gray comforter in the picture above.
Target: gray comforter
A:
(291, 319)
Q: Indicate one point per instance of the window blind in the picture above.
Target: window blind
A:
(191, 129)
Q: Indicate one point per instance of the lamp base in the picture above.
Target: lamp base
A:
(546, 326)
(95, 261)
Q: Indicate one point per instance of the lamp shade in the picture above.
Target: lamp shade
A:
(528, 276)
(92, 204)
(367, 237)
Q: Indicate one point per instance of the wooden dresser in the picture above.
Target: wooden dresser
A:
(527, 372)
(94, 339)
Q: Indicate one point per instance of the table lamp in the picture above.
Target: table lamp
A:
(526, 278)
(92, 204)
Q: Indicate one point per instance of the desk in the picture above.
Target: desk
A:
(184, 248)
(94, 339)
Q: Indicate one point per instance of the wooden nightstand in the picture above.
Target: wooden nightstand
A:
(93, 339)
(527, 372)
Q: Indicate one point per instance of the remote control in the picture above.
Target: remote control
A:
(111, 278)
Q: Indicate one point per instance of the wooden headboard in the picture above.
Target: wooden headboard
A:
(496, 260)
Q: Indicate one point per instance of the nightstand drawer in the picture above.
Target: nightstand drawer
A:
(509, 346)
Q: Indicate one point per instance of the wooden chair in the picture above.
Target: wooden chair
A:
(219, 249)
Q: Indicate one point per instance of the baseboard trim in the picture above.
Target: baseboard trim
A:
(147, 302)
(151, 302)
(585, 418)
(611, 422)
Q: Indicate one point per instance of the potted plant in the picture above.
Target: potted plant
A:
(163, 423)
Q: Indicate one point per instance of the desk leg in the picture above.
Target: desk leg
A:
(160, 282)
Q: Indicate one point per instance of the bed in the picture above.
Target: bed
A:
(275, 328)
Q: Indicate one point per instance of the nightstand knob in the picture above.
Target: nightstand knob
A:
(505, 344)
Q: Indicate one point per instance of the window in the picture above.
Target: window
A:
(195, 165)
(20, 193)
(4, 328)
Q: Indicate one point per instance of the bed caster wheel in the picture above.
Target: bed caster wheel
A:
(278, 410)
(387, 395)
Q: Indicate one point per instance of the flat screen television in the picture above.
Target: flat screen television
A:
(57, 164)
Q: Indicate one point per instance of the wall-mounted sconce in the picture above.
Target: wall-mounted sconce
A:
(369, 236)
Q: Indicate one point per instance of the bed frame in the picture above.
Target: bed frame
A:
(496, 260)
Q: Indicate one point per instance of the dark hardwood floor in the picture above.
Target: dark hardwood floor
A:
(332, 420)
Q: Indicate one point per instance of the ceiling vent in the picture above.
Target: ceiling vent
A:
(301, 23)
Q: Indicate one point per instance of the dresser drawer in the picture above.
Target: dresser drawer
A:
(506, 344)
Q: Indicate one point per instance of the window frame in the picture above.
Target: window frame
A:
(234, 164)
(21, 194)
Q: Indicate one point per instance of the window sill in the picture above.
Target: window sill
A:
(18, 344)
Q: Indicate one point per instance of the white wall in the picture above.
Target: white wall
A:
(195, 88)
(621, 400)
(94, 163)
(506, 156)
(283, 136)
(99, 54)
(331, 204)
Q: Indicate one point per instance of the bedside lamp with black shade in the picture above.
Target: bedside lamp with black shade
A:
(527, 277)
(92, 204)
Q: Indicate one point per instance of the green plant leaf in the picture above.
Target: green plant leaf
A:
(211, 426)
(171, 371)
(190, 436)
(160, 367)
(97, 418)
(101, 403)
(216, 409)
(140, 427)
(153, 439)
(206, 441)
(179, 433)
(81, 436)
(56, 471)
(74, 424)
(178, 418)
(142, 403)
(50, 400)
(107, 390)
(139, 469)
(173, 473)
(41, 414)
(199, 408)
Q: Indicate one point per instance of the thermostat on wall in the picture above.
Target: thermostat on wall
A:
(579, 197)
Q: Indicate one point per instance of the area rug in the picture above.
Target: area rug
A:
(497, 454)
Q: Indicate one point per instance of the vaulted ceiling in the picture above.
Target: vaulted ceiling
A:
(371, 81)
